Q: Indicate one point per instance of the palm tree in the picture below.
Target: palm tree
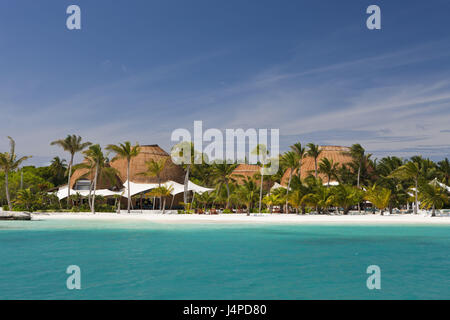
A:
(271, 200)
(9, 162)
(380, 197)
(318, 197)
(357, 152)
(162, 192)
(410, 170)
(295, 199)
(432, 197)
(262, 152)
(329, 168)
(444, 170)
(300, 152)
(26, 198)
(290, 160)
(125, 151)
(248, 193)
(155, 169)
(71, 144)
(184, 154)
(314, 151)
(345, 196)
(98, 166)
(223, 174)
(205, 198)
(58, 169)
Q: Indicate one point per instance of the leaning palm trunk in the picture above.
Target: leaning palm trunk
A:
(128, 186)
(358, 184)
(164, 206)
(261, 192)
(7, 191)
(171, 203)
(68, 178)
(287, 190)
(90, 196)
(228, 195)
(433, 212)
(159, 185)
(95, 188)
(186, 181)
(315, 166)
(416, 204)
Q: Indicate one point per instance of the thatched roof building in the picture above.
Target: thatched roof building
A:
(244, 170)
(335, 153)
(171, 171)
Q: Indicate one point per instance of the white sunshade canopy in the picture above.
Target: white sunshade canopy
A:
(136, 188)
(197, 189)
(62, 193)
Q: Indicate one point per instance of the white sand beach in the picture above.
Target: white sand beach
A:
(374, 219)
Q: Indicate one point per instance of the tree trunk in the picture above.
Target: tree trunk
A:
(416, 204)
(186, 181)
(128, 186)
(217, 194)
(95, 188)
(89, 196)
(287, 190)
(228, 195)
(433, 212)
(164, 206)
(299, 170)
(192, 201)
(171, 204)
(7, 191)
(357, 183)
(315, 166)
(159, 186)
(261, 192)
(68, 178)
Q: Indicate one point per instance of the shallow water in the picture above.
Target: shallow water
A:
(144, 260)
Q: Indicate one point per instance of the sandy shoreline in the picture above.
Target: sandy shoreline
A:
(405, 219)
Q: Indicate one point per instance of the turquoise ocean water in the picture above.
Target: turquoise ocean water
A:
(143, 260)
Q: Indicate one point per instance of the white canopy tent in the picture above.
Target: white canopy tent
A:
(197, 189)
(136, 188)
(62, 193)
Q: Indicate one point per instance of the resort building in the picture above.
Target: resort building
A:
(140, 184)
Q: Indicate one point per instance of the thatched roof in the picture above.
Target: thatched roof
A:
(171, 171)
(246, 170)
(335, 153)
(102, 183)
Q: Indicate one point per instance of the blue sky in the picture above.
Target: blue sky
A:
(140, 69)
